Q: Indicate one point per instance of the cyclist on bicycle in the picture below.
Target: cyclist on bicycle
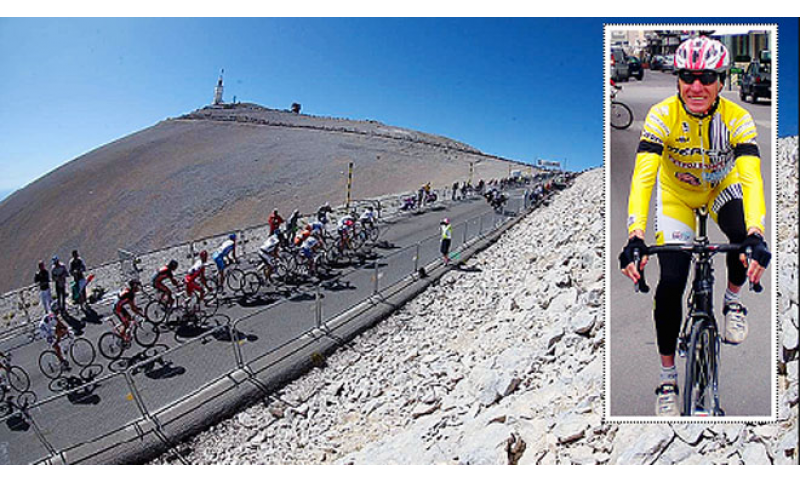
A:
(301, 237)
(166, 272)
(195, 279)
(367, 219)
(697, 149)
(345, 227)
(308, 250)
(317, 228)
(223, 256)
(52, 329)
(127, 297)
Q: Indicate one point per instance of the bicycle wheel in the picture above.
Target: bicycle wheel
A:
(156, 312)
(82, 352)
(374, 234)
(111, 345)
(146, 333)
(234, 278)
(50, 364)
(251, 284)
(699, 396)
(621, 115)
(18, 379)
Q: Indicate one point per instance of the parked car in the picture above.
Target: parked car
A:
(669, 64)
(756, 81)
(619, 66)
(635, 68)
(657, 63)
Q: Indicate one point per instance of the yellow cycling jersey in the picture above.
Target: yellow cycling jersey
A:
(693, 156)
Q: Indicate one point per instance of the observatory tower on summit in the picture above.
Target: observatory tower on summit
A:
(218, 90)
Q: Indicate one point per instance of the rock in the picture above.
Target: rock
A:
(756, 454)
(570, 428)
(583, 322)
(636, 444)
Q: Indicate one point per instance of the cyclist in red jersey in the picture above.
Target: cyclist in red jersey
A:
(127, 297)
(196, 278)
(166, 272)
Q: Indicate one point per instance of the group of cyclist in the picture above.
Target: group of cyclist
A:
(282, 235)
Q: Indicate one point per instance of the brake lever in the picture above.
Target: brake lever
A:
(754, 286)
(641, 285)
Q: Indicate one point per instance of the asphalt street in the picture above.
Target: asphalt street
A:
(633, 364)
(261, 326)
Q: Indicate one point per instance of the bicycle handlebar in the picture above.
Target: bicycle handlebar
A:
(710, 249)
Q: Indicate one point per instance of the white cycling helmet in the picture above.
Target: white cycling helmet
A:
(702, 54)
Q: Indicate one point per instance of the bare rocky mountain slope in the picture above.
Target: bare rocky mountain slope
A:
(211, 171)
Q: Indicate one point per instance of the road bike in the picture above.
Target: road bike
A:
(233, 279)
(12, 377)
(186, 309)
(80, 350)
(621, 115)
(278, 270)
(699, 338)
(112, 343)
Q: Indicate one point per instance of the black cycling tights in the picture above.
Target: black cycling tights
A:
(668, 310)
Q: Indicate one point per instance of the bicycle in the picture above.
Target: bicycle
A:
(233, 279)
(699, 337)
(621, 115)
(80, 351)
(12, 377)
(158, 311)
(112, 344)
(280, 269)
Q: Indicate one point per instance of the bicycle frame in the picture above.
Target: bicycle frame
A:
(700, 313)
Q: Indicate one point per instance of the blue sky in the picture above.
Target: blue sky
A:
(518, 88)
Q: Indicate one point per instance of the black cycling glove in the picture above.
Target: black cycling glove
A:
(626, 257)
(760, 253)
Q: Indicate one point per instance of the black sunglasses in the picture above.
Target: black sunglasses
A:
(706, 77)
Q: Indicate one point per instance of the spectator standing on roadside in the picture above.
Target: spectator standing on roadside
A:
(274, 221)
(447, 237)
(455, 190)
(42, 278)
(291, 224)
(323, 211)
(59, 273)
(78, 270)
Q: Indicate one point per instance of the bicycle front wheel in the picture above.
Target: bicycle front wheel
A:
(251, 283)
(621, 115)
(700, 397)
(18, 379)
(146, 333)
(111, 346)
(50, 364)
(82, 352)
(235, 279)
(156, 312)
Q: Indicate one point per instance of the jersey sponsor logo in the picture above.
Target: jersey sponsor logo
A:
(631, 220)
(681, 235)
(688, 178)
(685, 126)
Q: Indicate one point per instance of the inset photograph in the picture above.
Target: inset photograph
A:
(690, 144)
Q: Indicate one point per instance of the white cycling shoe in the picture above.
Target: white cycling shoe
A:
(735, 323)
(667, 400)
